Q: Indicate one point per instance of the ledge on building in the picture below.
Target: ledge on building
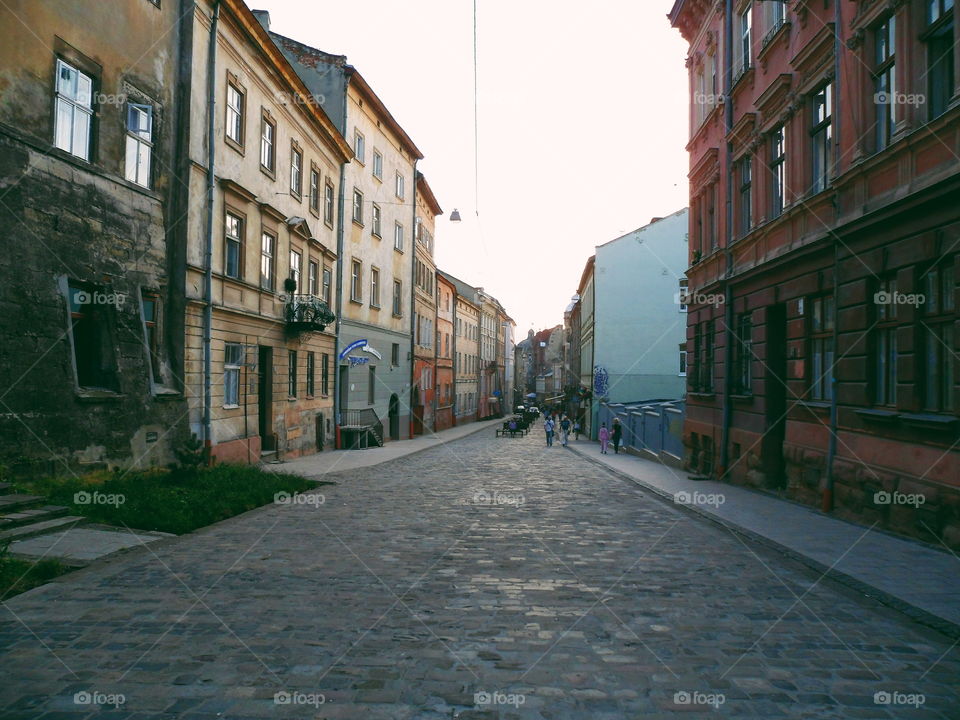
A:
(878, 416)
(930, 421)
(98, 395)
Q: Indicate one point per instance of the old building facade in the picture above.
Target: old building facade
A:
(91, 337)
(446, 341)
(466, 364)
(426, 334)
(828, 370)
(276, 164)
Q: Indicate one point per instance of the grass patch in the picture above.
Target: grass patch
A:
(174, 501)
(17, 576)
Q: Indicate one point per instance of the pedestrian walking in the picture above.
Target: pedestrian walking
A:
(617, 435)
(604, 438)
(564, 430)
(576, 429)
(548, 427)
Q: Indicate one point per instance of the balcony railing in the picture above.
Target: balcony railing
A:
(307, 313)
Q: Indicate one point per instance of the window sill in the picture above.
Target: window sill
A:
(356, 302)
(742, 397)
(161, 392)
(230, 142)
(97, 395)
(268, 172)
(930, 421)
(701, 395)
(291, 399)
(377, 235)
(296, 196)
(358, 223)
(885, 417)
(399, 250)
(374, 307)
(815, 405)
(231, 407)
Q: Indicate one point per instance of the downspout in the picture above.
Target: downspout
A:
(336, 343)
(413, 295)
(826, 501)
(453, 359)
(728, 254)
(208, 241)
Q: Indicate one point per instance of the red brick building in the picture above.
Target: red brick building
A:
(446, 301)
(824, 236)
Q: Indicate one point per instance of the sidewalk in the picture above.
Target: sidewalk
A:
(919, 580)
(320, 464)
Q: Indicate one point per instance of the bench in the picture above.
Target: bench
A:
(511, 433)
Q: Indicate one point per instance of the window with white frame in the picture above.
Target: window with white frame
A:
(398, 237)
(268, 159)
(232, 362)
(328, 203)
(139, 143)
(233, 240)
(377, 165)
(356, 277)
(296, 171)
(400, 186)
(235, 107)
(743, 53)
(359, 147)
(74, 100)
(375, 287)
(375, 214)
(357, 206)
(296, 268)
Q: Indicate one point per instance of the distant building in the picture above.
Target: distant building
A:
(425, 333)
(446, 341)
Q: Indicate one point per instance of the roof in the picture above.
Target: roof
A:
(423, 187)
(463, 289)
(644, 227)
(587, 271)
(354, 77)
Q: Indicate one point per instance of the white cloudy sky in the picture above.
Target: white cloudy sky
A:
(582, 125)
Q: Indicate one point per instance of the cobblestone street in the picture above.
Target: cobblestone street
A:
(482, 578)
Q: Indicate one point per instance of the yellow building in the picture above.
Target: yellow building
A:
(277, 162)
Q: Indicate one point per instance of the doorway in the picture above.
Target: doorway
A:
(776, 397)
(344, 385)
(265, 398)
(394, 415)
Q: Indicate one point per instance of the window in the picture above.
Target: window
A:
(712, 216)
(235, 108)
(313, 271)
(74, 99)
(774, 16)
(359, 148)
(884, 81)
(743, 53)
(743, 356)
(150, 304)
(822, 133)
(821, 348)
(268, 245)
(356, 275)
(376, 220)
(395, 355)
(311, 373)
(683, 360)
(267, 145)
(940, 63)
(885, 344)
(703, 350)
(315, 190)
(139, 143)
(328, 203)
(296, 171)
(357, 206)
(325, 289)
(372, 385)
(399, 188)
(375, 287)
(778, 171)
(325, 374)
(397, 298)
(398, 237)
(233, 246)
(938, 338)
(377, 165)
(292, 373)
(745, 167)
(296, 269)
(232, 362)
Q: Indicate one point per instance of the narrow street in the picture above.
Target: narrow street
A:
(483, 578)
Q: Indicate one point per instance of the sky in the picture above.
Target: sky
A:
(581, 118)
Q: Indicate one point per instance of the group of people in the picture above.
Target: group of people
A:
(554, 423)
(558, 423)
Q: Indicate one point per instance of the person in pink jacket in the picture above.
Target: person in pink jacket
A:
(604, 438)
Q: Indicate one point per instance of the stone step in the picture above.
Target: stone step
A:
(24, 517)
(16, 501)
(41, 528)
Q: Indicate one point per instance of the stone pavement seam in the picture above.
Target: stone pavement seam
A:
(918, 614)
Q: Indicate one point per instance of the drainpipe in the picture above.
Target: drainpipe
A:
(336, 343)
(826, 501)
(728, 200)
(453, 360)
(413, 295)
(208, 241)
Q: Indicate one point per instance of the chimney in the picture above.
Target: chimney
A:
(263, 17)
